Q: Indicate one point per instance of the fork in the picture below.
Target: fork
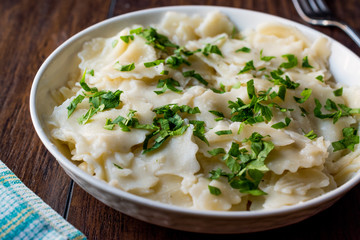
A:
(316, 12)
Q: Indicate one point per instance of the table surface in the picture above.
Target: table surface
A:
(31, 30)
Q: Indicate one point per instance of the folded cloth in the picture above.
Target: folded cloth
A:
(23, 215)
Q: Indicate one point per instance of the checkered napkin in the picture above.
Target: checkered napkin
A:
(23, 215)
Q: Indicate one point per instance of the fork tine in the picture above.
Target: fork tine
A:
(323, 6)
(304, 5)
(314, 6)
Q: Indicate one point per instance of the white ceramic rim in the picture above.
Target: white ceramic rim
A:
(336, 193)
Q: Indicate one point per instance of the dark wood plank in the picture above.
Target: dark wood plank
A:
(30, 31)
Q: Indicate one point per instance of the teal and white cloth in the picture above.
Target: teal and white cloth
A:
(23, 215)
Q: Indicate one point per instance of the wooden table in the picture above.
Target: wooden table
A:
(31, 30)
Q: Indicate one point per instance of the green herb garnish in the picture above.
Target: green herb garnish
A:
(223, 132)
(247, 169)
(244, 49)
(265, 58)
(209, 48)
(168, 83)
(305, 63)
(305, 94)
(154, 63)
(350, 140)
(248, 67)
(127, 38)
(311, 135)
(338, 92)
(214, 190)
(124, 68)
(195, 75)
(220, 115)
(280, 125)
(292, 61)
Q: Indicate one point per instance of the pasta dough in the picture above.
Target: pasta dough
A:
(205, 65)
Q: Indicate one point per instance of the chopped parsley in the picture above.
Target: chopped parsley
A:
(280, 125)
(117, 166)
(247, 168)
(124, 68)
(127, 38)
(209, 48)
(154, 63)
(320, 78)
(168, 83)
(154, 38)
(248, 67)
(219, 91)
(265, 58)
(305, 63)
(220, 115)
(199, 130)
(223, 132)
(195, 75)
(91, 72)
(252, 112)
(99, 101)
(167, 123)
(244, 49)
(278, 80)
(311, 135)
(348, 142)
(338, 92)
(292, 61)
(305, 94)
(214, 190)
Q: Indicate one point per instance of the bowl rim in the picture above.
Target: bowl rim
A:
(63, 161)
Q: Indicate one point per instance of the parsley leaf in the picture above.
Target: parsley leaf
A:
(154, 63)
(167, 123)
(154, 38)
(124, 68)
(223, 132)
(247, 169)
(71, 108)
(209, 48)
(311, 135)
(292, 61)
(254, 111)
(117, 166)
(305, 63)
(219, 91)
(265, 58)
(278, 80)
(350, 140)
(248, 67)
(214, 190)
(244, 49)
(280, 125)
(305, 94)
(338, 92)
(199, 130)
(320, 78)
(127, 38)
(220, 115)
(216, 151)
(168, 83)
(195, 75)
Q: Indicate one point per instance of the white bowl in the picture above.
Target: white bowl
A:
(54, 73)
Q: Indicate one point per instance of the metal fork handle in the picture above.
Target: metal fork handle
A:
(347, 29)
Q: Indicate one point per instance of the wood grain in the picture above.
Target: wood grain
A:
(31, 30)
